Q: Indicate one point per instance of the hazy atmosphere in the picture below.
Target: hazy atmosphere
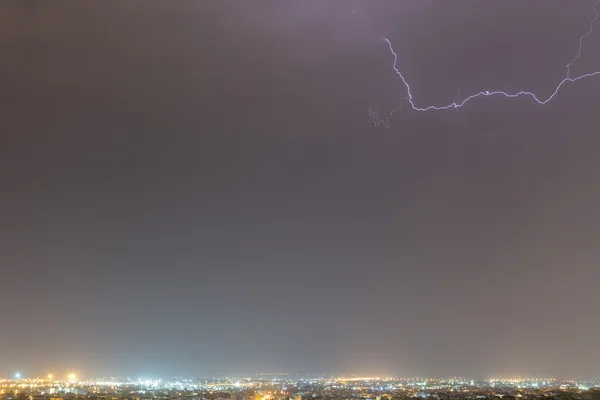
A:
(196, 188)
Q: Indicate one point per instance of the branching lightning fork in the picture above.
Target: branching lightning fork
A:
(457, 104)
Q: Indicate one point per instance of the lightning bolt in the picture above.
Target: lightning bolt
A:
(462, 119)
(377, 120)
(457, 104)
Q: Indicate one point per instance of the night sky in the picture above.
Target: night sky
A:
(197, 188)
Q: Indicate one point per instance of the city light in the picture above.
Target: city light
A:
(289, 388)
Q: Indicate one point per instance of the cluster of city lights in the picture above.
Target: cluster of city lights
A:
(280, 385)
(71, 377)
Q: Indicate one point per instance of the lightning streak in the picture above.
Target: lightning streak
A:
(456, 104)
(462, 119)
(377, 120)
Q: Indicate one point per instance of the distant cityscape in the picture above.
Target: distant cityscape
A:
(294, 387)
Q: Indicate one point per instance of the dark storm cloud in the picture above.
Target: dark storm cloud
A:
(196, 187)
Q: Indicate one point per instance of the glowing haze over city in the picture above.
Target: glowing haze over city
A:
(300, 199)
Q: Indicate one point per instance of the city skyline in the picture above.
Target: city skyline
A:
(246, 381)
(278, 386)
(276, 376)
